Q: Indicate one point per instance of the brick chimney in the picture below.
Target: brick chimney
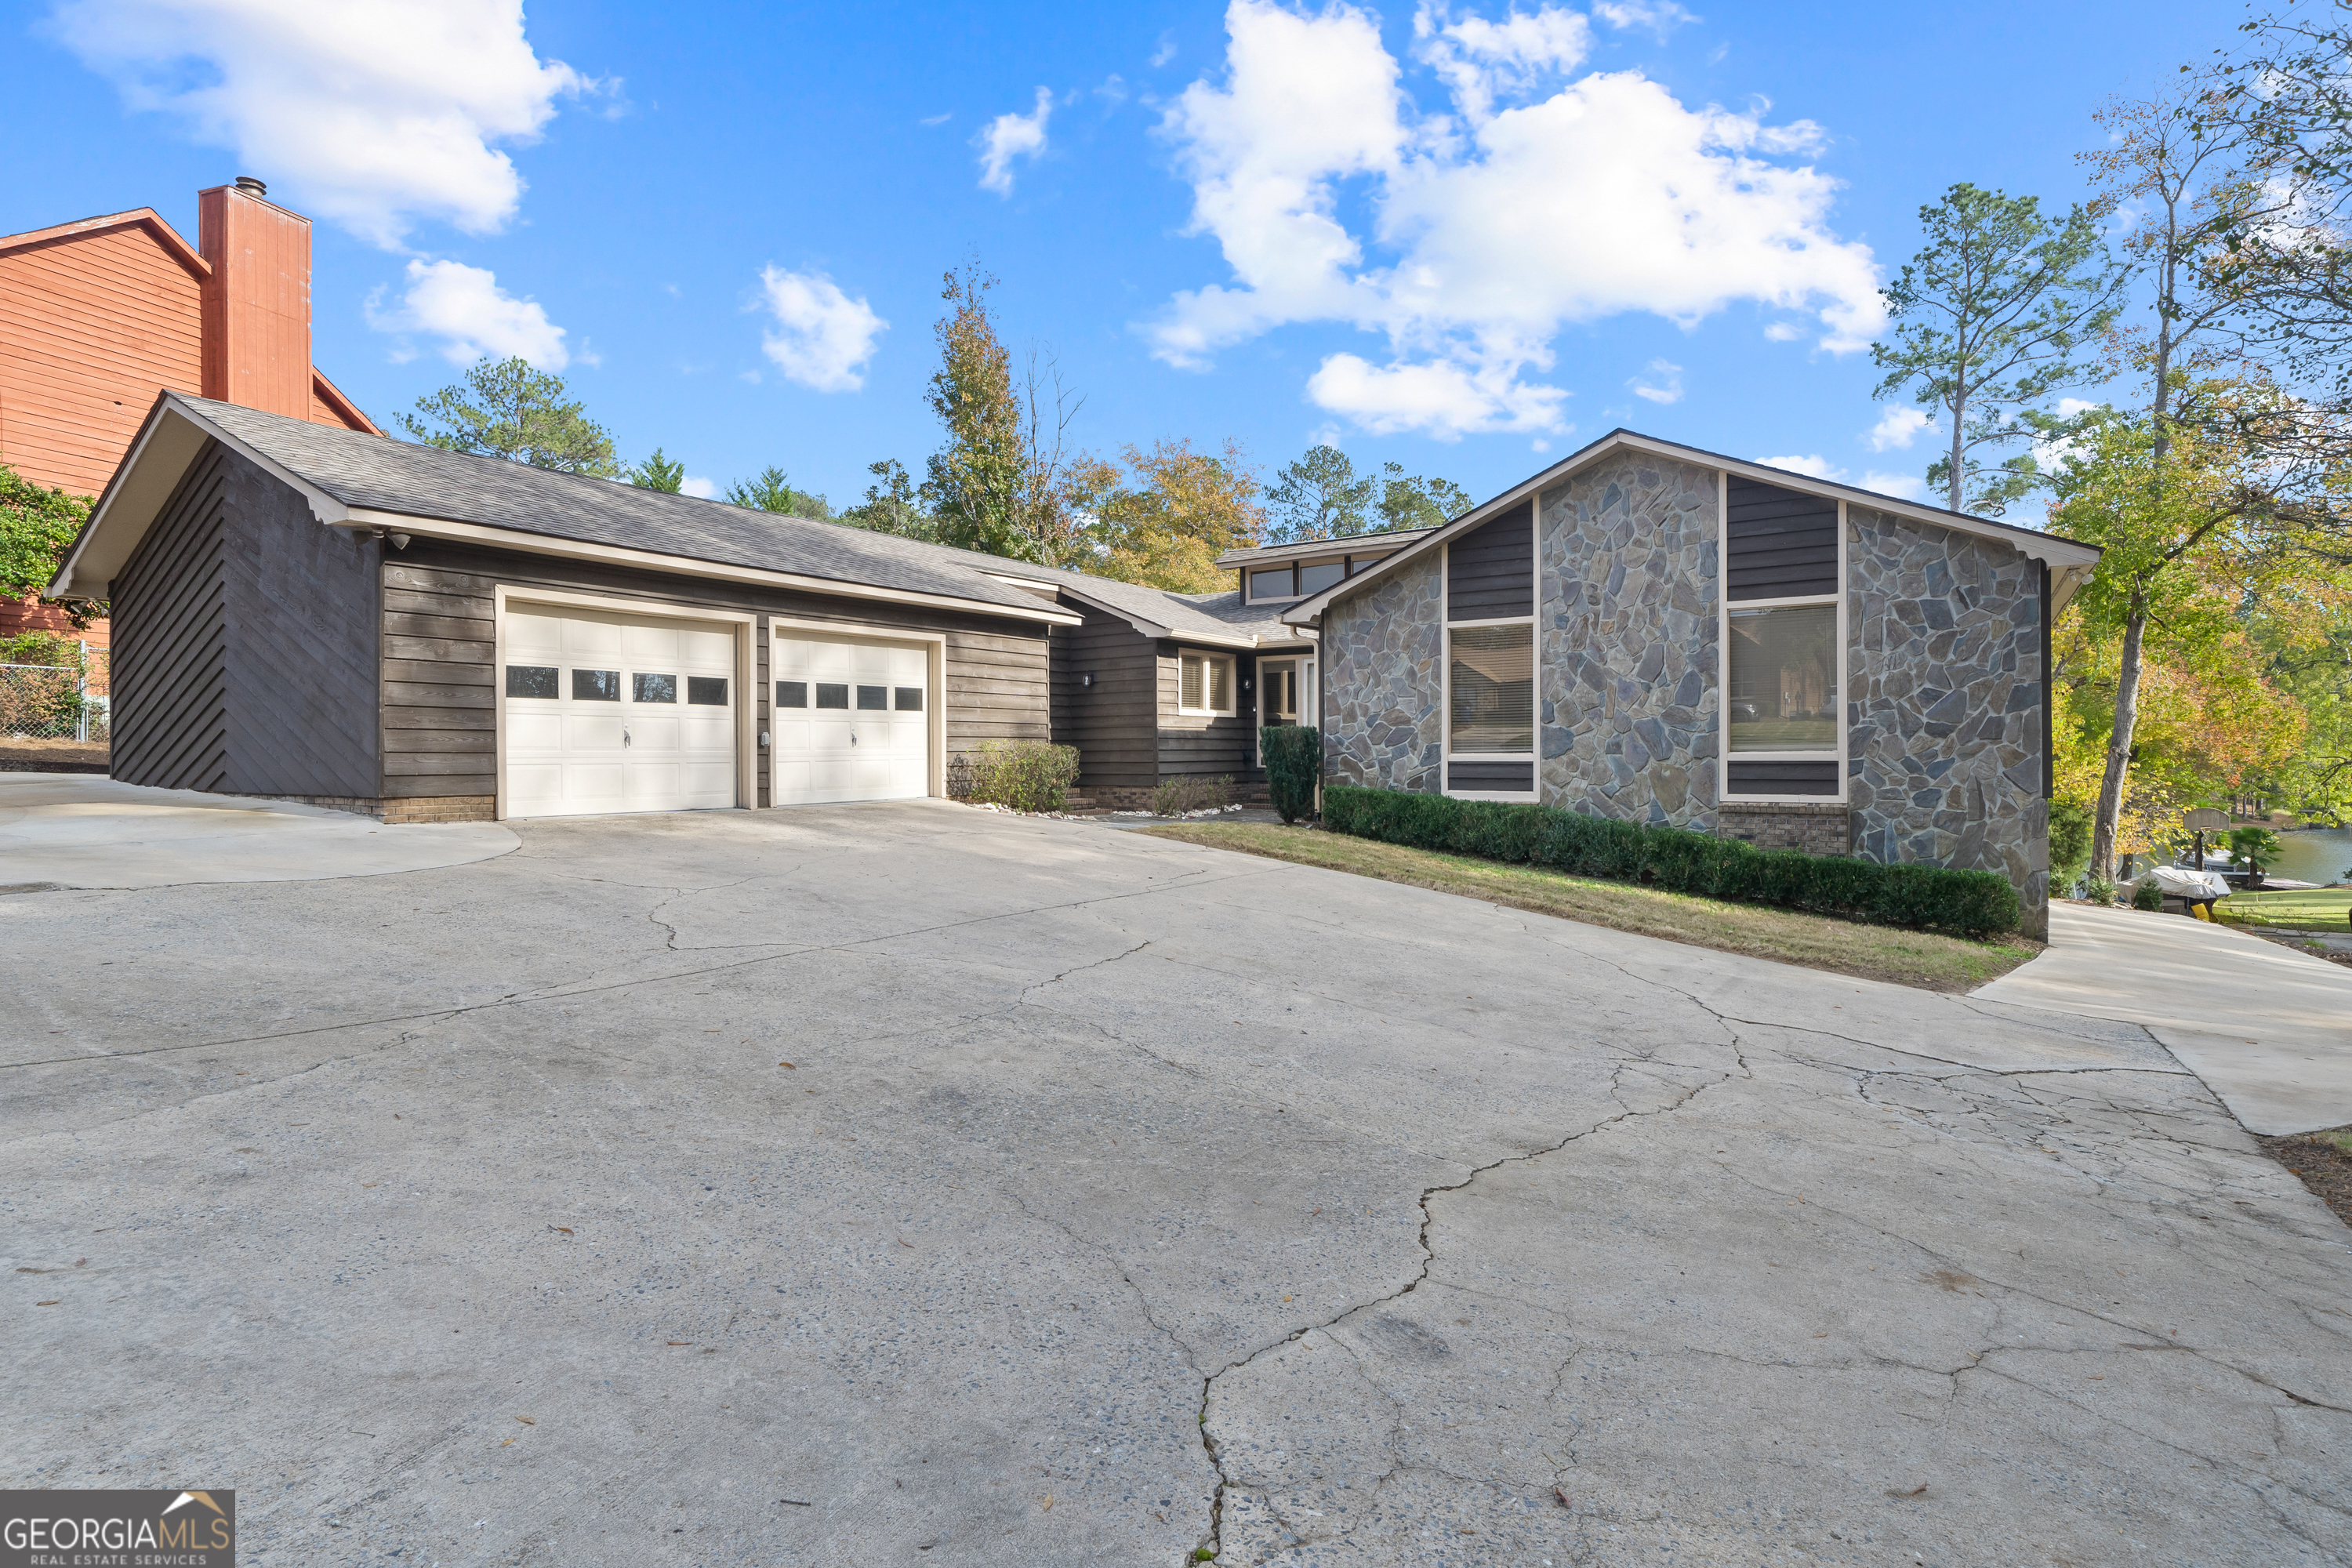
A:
(255, 306)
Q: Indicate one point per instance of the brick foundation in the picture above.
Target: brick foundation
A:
(1814, 829)
(430, 808)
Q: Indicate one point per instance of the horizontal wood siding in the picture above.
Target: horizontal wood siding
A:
(92, 326)
(1491, 778)
(1114, 722)
(1200, 744)
(1782, 778)
(439, 674)
(1490, 571)
(1777, 543)
(171, 642)
(303, 667)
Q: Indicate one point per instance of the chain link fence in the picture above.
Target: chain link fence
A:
(63, 698)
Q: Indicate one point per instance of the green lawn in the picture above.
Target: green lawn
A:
(1930, 962)
(2316, 908)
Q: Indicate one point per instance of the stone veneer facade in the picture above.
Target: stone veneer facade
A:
(1944, 704)
(1944, 676)
(1627, 667)
(1383, 721)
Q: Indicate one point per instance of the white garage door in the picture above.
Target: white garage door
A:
(851, 720)
(617, 713)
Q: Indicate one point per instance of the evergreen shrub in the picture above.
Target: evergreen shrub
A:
(1294, 761)
(1969, 903)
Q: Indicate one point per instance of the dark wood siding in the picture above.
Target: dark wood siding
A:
(1115, 722)
(1783, 778)
(1777, 543)
(1199, 744)
(1490, 571)
(170, 672)
(302, 625)
(438, 688)
(440, 698)
(1491, 778)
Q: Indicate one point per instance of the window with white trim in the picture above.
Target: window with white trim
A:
(1783, 647)
(1205, 684)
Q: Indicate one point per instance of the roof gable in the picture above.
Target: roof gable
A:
(2070, 563)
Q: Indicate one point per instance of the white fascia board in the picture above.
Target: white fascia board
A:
(684, 566)
(2060, 554)
(159, 457)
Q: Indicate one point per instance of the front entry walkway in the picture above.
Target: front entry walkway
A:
(2269, 1030)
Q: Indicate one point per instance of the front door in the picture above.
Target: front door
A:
(1277, 691)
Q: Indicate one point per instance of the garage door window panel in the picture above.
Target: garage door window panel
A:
(655, 687)
(911, 700)
(538, 681)
(791, 694)
(595, 686)
(705, 690)
(873, 699)
(832, 694)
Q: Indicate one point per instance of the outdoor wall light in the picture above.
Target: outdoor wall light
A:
(1087, 679)
(764, 737)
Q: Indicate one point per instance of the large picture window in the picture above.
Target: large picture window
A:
(1492, 671)
(1783, 696)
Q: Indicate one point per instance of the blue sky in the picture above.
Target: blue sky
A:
(1464, 240)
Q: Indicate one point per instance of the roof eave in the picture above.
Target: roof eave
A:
(168, 440)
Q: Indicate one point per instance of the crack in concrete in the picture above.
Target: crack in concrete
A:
(1428, 1257)
(517, 999)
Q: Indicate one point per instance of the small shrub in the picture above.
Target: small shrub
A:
(1976, 903)
(1294, 762)
(1186, 793)
(2098, 890)
(2070, 842)
(2146, 895)
(1027, 775)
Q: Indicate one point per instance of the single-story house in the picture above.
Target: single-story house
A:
(324, 615)
(1154, 685)
(1655, 633)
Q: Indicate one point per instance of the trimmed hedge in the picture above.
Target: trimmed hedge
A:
(1925, 897)
(1293, 754)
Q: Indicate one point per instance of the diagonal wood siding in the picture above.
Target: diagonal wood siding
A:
(171, 642)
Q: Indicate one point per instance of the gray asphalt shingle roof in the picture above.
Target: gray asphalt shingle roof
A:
(381, 474)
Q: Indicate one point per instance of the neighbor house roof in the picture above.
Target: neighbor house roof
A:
(1395, 539)
(2070, 563)
(352, 479)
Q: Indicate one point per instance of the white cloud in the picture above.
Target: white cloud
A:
(1480, 241)
(823, 338)
(1813, 464)
(934, 120)
(1664, 382)
(1898, 427)
(1904, 487)
(1783, 332)
(1010, 136)
(1442, 399)
(374, 116)
(1165, 52)
(695, 485)
(474, 318)
(1659, 18)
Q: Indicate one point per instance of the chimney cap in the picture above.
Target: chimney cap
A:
(251, 186)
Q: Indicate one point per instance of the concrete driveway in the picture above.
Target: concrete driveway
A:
(81, 830)
(2268, 1029)
(1122, 1197)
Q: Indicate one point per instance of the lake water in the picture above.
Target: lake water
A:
(2319, 854)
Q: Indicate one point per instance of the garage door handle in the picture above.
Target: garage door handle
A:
(624, 734)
